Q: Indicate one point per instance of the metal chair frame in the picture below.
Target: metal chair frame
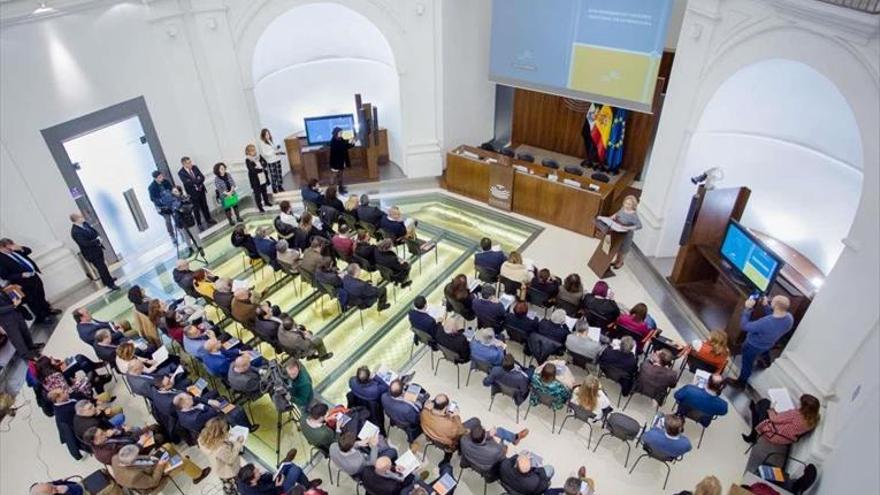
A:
(452, 357)
(546, 400)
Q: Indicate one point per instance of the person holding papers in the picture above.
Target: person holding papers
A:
(490, 312)
(523, 474)
(707, 401)
(484, 450)
(224, 451)
(623, 359)
(555, 328)
(783, 427)
(402, 406)
(367, 386)
(590, 397)
(585, 341)
(627, 218)
(194, 416)
(136, 472)
(382, 478)
(218, 360)
(352, 455)
(442, 424)
(443, 485)
(546, 283)
(486, 348)
(141, 382)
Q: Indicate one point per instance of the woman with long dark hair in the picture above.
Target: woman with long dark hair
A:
(339, 158)
(227, 193)
(271, 154)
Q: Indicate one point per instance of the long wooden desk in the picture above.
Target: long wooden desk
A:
(535, 194)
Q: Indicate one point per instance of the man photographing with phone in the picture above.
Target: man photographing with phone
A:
(17, 267)
(762, 333)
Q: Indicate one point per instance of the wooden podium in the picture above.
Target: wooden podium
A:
(606, 251)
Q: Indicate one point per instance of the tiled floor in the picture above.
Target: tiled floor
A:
(29, 450)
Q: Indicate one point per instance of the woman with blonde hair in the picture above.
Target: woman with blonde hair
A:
(125, 355)
(258, 176)
(628, 217)
(590, 396)
(708, 486)
(224, 452)
(714, 350)
(514, 269)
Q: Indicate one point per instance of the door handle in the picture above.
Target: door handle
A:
(134, 206)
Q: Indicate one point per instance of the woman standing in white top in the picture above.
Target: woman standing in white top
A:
(272, 154)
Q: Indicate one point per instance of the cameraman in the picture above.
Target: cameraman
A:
(182, 208)
(160, 195)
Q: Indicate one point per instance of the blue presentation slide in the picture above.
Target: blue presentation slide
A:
(319, 130)
(749, 257)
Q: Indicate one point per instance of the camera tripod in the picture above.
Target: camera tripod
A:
(197, 247)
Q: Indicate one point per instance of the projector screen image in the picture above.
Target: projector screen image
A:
(604, 51)
(319, 130)
(756, 263)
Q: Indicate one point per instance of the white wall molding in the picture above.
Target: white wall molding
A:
(839, 18)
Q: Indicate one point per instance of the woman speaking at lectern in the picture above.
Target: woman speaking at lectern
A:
(629, 218)
(339, 159)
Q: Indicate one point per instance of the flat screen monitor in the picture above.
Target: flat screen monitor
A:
(319, 130)
(757, 264)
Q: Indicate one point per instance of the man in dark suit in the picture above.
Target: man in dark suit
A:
(193, 413)
(488, 257)
(554, 327)
(382, 479)
(87, 327)
(420, 319)
(91, 248)
(160, 189)
(369, 213)
(385, 256)
(360, 291)
(490, 312)
(510, 375)
(310, 192)
(403, 412)
(519, 475)
(16, 267)
(15, 326)
(194, 183)
(623, 359)
(183, 276)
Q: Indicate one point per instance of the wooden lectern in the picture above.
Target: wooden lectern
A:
(606, 251)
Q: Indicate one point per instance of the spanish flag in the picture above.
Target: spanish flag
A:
(602, 130)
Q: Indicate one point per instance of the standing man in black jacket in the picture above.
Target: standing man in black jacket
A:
(86, 237)
(194, 185)
(160, 195)
(18, 268)
(14, 325)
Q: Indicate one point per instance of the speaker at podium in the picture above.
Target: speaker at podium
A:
(611, 238)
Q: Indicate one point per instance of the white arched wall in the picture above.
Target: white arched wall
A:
(411, 30)
(834, 353)
(299, 71)
(786, 132)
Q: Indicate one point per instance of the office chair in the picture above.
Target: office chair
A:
(574, 170)
(550, 163)
(526, 157)
(600, 177)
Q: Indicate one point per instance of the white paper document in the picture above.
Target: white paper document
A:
(617, 227)
(595, 334)
(161, 355)
(369, 430)
(780, 399)
(407, 463)
(239, 431)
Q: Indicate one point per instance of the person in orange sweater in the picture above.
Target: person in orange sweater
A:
(714, 350)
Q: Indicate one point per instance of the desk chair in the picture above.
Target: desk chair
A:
(618, 376)
(484, 366)
(698, 417)
(326, 453)
(423, 338)
(500, 388)
(623, 427)
(578, 412)
(417, 249)
(655, 454)
(454, 358)
(550, 163)
(543, 399)
(488, 476)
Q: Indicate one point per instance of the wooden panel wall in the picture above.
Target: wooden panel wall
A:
(545, 121)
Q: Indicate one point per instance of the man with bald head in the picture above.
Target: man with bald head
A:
(522, 474)
(383, 479)
(243, 377)
(761, 333)
(55, 487)
(91, 248)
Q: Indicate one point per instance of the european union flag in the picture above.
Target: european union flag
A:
(614, 155)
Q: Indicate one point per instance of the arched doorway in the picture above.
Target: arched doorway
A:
(312, 59)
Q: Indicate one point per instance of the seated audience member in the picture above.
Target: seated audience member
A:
(285, 223)
(223, 294)
(599, 306)
(331, 199)
(194, 338)
(382, 479)
(571, 290)
(518, 473)
(385, 256)
(244, 307)
(546, 283)
(668, 440)
(173, 325)
(243, 377)
(634, 321)
(622, 359)
(520, 318)
(575, 485)
(452, 337)
(706, 401)
(203, 283)
(104, 347)
(579, 341)
(346, 453)
(64, 410)
(141, 382)
(442, 425)
(251, 480)
(393, 223)
(401, 411)
(183, 277)
(656, 375)
(714, 350)
(328, 275)
(369, 213)
(87, 327)
(223, 450)
(484, 450)
(311, 192)
(140, 300)
(55, 487)
(489, 257)
(361, 292)
(510, 375)
(553, 378)
(288, 257)
(194, 413)
(301, 343)
(136, 472)
(241, 239)
(54, 373)
(268, 323)
(590, 396)
(266, 246)
(367, 386)
(363, 248)
(515, 270)
(707, 486)
(88, 415)
(126, 355)
(105, 443)
(486, 348)
(459, 297)
(783, 428)
(217, 359)
(299, 384)
(315, 429)
(351, 205)
(490, 312)
(342, 242)
(420, 319)
(313, 257)
(555, 328)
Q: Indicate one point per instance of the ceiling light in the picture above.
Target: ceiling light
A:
(43, 9)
